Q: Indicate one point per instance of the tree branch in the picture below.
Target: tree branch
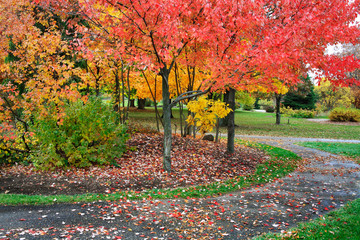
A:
(185, 95)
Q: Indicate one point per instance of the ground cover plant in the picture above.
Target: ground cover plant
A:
(339, 224)
(139, 174)
(345, 149)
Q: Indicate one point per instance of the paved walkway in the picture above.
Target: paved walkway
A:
(327, 182)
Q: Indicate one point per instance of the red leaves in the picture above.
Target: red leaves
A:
(194, 162)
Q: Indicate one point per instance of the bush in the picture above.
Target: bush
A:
(269, 109)
(87, 134)
(345, 115)
(245, 99)
(265, 103)
(247, 107)
(298, 113)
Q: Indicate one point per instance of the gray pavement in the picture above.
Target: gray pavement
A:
(325, 183)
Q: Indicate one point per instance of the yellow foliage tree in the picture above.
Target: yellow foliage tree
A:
(206, 112)
(331, 96)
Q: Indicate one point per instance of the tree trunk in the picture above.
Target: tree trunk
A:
(117, 92)
(231, 121)
(132, 102)
(141, 103)
(217, 130)
(97, 89)
(224, 121)
(166, 120)
(277, 107)
(97, 80)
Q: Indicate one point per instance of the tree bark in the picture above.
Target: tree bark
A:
(217, 130)
(277, 108)
(166, 120)
(141, 103)
(132, 102)
(117, 91)
(224, 121)
(231, 122)
(97, 80)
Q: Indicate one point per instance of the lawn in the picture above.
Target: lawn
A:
(257, 123)
(345, 149)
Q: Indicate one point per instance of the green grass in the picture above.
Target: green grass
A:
(267, 171)
(345, 149)
(340, 224)
(257, 123)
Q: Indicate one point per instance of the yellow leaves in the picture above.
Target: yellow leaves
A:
(199, 105)
(205, 113)
(280, 87)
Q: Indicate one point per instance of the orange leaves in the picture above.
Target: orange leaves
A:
(233, 42)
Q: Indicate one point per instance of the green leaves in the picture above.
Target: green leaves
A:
(86, 135)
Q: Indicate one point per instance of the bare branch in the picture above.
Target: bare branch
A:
(185, 95)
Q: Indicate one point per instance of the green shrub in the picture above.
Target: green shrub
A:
(245, 99)
(265, 103)
(16, 144)
(87, 134)
(298, 113)
(247, 107)
(345, 115)
(269, 109)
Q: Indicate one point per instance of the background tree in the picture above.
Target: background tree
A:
(354, 50)
(245, 100)
(301, 96)
(330, 97)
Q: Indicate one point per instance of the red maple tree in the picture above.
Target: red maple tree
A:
(243, 43)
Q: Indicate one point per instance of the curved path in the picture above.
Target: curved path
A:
(326, 182)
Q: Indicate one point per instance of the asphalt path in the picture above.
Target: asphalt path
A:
(325, 183)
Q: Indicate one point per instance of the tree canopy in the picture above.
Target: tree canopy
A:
(221, 45)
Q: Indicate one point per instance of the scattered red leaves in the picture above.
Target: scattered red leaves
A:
(194, 162)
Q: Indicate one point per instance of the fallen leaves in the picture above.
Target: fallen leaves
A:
(194, 162)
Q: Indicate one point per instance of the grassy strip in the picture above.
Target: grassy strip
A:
(340, 224)
(280, 164)
(345, 149)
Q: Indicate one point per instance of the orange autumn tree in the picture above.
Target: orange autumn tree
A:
(43, 111)
(36, 76)
(153, 34)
